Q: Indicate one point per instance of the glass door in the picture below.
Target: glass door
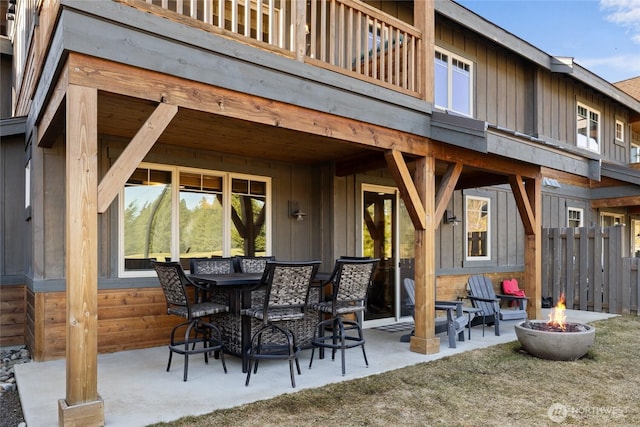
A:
(380, 239)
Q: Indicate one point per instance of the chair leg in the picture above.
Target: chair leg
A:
(169, 364)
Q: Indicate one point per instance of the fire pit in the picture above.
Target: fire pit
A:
(556, 339)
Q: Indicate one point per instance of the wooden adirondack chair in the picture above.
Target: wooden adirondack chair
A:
(482, 296)
(454, 322)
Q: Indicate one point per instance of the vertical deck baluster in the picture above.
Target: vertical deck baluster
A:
(259, 35)
(234, 16)
(221, 13)
(349, 58)
(358, 42)
(323, 31)
(246, 19)
(313, 29)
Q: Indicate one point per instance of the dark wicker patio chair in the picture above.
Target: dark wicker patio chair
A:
(252, 264)
(211, 265)
(287, 289)
(196, 329)
(351, 280)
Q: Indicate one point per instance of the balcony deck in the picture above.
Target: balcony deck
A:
(346, 36)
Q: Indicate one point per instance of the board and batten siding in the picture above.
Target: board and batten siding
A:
(513, 93)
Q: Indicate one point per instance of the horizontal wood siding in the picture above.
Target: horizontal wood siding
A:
(12, 315)
(127, 319)
(452, 287)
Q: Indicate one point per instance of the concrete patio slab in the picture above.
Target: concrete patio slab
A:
(137, 391)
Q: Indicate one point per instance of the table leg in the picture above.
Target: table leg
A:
(245, 331)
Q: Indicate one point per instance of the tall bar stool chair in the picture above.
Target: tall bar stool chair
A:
(351, 280)
(187, 336)
(287, 288)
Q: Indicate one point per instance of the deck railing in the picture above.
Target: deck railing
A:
(347, 36)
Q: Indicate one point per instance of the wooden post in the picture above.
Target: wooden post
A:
(533, 251)
(82, 406)
(424, 20)
(300, 12)
(424, 340)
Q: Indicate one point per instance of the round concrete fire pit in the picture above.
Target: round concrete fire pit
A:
(548, 343)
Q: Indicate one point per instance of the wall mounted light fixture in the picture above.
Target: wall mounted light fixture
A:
(295, 211)
(452, 220)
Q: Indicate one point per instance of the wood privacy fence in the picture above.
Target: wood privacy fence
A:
(586, 264)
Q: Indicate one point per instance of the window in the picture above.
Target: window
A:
(611, 219)
(477, 221)
(27, 184)
(453, 77)
(635, 229)
(588, 128)
(619, 131)
(180, 213)
(574, 217)
(635, 153)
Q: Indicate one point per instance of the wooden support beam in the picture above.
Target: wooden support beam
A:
(533, 250)
(408, 190)
(47, 131)
(447, 186)
(523, 204)
(133, 154)
(485, 162)
(144, 84)
(82, 405)
(424, 340)
(616, 202)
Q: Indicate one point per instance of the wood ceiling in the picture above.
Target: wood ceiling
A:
(123, 116)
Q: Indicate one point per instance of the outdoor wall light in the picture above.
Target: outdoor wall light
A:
(295, 211)
(453, 220)
(550, 182)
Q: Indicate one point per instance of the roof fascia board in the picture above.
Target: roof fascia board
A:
(621, 173)
(614, 192)
(12, 126)
(531, 152)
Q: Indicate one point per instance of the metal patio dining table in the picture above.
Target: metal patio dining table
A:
(239, 290)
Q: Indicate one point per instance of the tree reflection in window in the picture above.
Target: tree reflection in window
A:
(248, 214)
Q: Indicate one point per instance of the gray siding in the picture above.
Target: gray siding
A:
(12, 209)
(516, 94)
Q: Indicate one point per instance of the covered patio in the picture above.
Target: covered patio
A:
(137, 391)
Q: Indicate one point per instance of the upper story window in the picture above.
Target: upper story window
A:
(588, 128)
(173, 213)
(635, 153)
(453, 80)
(619, 131)
(574, 217)
(477, 228)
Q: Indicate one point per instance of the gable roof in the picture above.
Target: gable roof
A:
(631, 86)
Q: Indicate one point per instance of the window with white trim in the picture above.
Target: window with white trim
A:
(619, 131)
(608, 219)
(453, 81)
(635, 153)
(574, 217)
(477, 228)
(588, 128)
(175, 213)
